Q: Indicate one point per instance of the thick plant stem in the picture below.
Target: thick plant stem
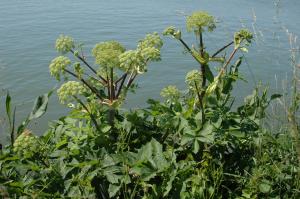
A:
(223, 69)
(121, 85)
(202, 68)
(111, 116)
(112, 87)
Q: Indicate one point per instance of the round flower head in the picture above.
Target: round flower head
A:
(170, 93)
(58, 65)
(199, 21)
(107, 53)
(131, 60)
(68, 90)
(26, 143)
(64, 44)
(149, 49)
(242, 35)
(151, 40)
(193, 78)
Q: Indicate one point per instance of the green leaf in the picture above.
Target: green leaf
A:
(113, 189)
(40, 106)
(206, 134)
(275, 96)
(208, 74)
(237, 133)
(196, 147)
(8, 108)
(265, 188)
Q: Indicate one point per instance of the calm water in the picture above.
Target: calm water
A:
(28, 29)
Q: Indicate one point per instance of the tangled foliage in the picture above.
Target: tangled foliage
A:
(69, 90)
(58, 65)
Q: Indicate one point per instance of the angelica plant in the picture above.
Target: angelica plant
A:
(112, 75)
(202, 82)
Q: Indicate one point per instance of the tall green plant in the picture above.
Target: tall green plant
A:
(199, 23)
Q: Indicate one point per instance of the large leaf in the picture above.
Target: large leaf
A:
(208, 74)
(40, 106)
(150, 160)
(39, 109)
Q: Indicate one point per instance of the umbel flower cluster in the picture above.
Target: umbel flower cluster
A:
(200, 21)
(147, 50)
(193, 77)
(107, 53)
(70, 89)
(101, 79)
(170, 93)
(58, 65)
(64, 44)
(26, 143)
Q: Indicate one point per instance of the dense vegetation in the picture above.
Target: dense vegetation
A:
(193, 144)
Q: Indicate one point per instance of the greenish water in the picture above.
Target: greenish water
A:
(28, 30)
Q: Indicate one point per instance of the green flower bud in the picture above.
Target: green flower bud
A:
(76, 53)
(199, 21)
(26, 143)
(173, 32)
(170, 93)
(107, 53)
(58, 65)
(64, 44)
(194, 77)
(243, 35)
(69, 89)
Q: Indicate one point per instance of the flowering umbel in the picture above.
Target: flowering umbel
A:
(58, 65)
(26, 143)
(68, 90)
(200, 21)
(64, 44)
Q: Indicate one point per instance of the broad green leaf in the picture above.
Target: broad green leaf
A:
(40, 106)
(264, 188)
(196, 147)
(237, 133)
(113, 190)
(208, 74)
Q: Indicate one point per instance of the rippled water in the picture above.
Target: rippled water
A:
(28, 29)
